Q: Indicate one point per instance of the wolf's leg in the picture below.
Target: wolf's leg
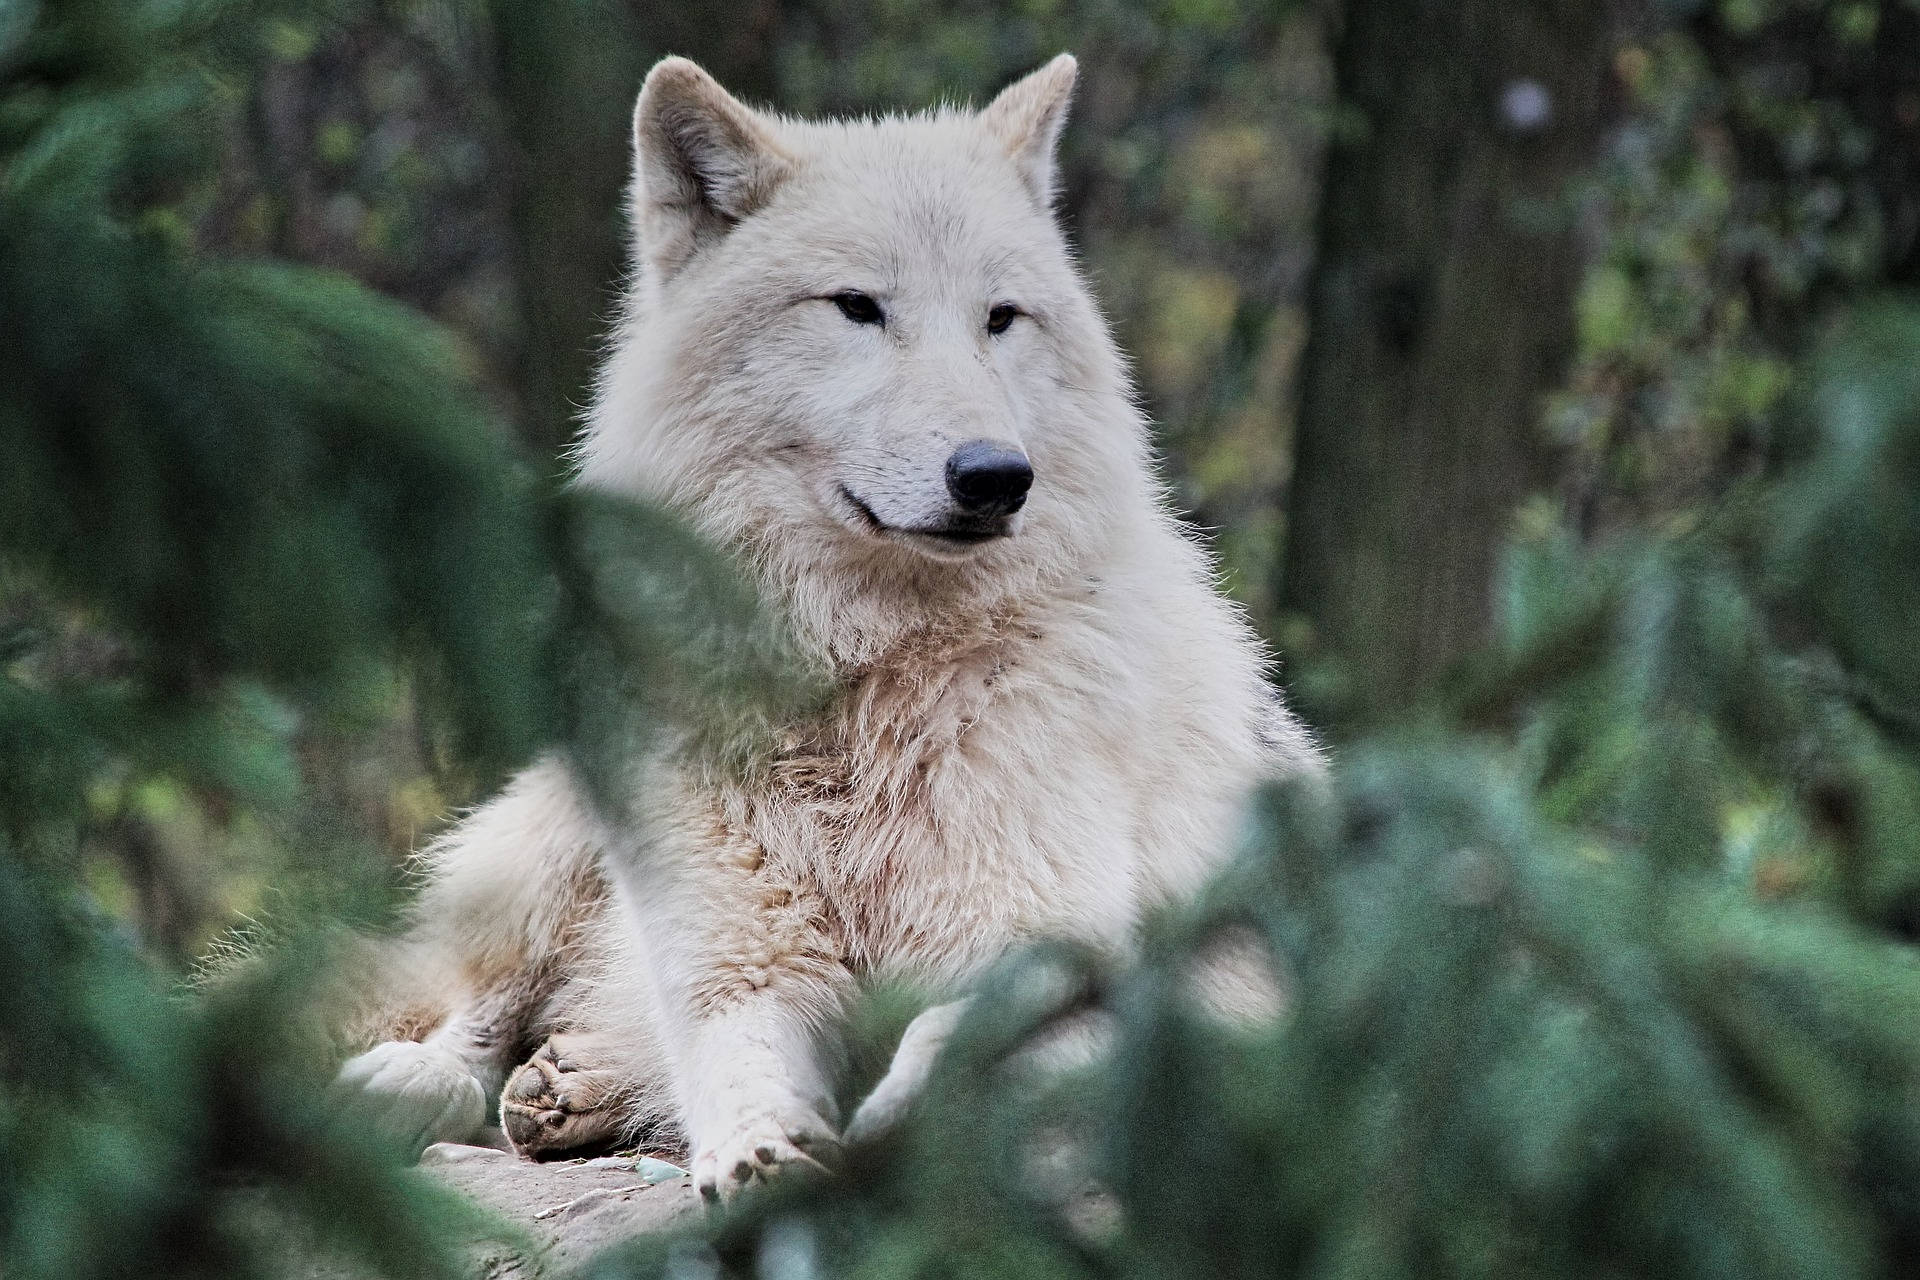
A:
(416, 1093)
(743, 974)
(913, 1061)
(754, 1098)
(509, 892)
(576, 1092)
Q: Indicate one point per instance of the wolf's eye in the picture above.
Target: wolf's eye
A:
(859, 308)
(1001, 316)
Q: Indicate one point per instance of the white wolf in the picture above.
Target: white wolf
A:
(860, 356)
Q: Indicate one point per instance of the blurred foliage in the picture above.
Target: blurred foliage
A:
(245, 508)
(1601, 964)
(1767, 174)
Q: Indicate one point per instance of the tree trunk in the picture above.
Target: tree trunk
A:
(568, 75)
(1440, 313)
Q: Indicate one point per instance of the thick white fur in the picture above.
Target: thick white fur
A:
(1042, 734)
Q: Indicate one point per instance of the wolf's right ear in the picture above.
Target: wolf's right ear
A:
(702, 163)
(1027, 117)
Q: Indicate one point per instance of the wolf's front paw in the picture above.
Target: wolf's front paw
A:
(559, 1103)
(912, 1065)
(760, 1147)
(411, 1095)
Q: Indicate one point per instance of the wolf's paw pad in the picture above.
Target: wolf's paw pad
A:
(410, 1095)
(763, 1147)
(555, 1104)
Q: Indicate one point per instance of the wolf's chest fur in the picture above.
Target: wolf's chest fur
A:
(930, 841)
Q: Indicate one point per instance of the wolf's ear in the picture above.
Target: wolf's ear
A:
(702, 162)
(1027, 117)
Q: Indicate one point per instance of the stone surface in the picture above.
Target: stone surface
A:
(567, 1210)
(572, 1209)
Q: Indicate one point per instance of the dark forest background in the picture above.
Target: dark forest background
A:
(1546, 376)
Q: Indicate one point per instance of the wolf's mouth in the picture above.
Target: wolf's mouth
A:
(961, 535)
(862, 510)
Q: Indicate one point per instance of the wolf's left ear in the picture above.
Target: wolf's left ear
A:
(703, 162)
(1027, 117)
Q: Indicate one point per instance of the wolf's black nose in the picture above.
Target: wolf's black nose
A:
(989, 479)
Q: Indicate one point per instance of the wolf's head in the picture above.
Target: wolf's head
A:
(859, 353)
